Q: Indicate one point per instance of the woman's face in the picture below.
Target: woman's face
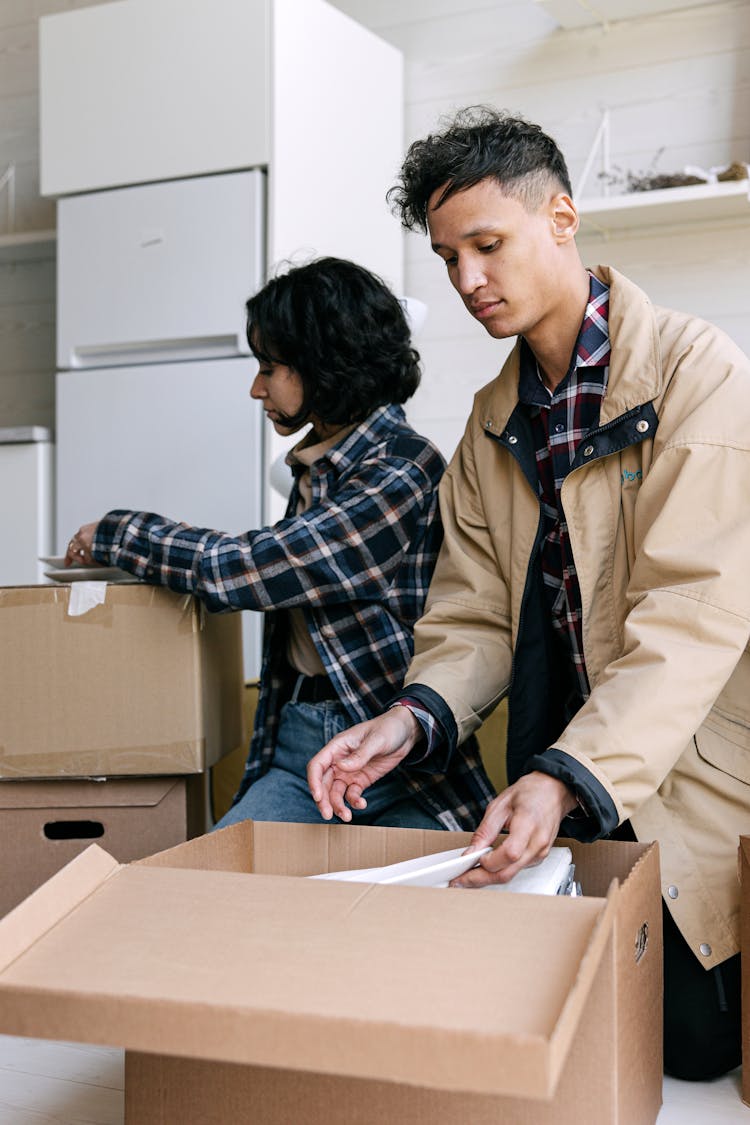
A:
(279, 388)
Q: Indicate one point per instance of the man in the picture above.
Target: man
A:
(597, 531)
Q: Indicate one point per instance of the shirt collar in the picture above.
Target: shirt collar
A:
(311, 449)
(592, 348)
(349, 446)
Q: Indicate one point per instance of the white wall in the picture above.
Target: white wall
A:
(27, 286)
(679, 80)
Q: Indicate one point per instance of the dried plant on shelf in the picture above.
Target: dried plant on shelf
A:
(734, 171)
(651, 180)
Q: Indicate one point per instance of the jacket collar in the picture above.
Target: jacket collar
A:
(635, 374)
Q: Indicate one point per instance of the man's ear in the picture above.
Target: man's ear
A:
(565, 221)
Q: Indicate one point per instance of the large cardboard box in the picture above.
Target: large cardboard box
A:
(249, 995)
(744, 865)
(45, 824)
(145, 683)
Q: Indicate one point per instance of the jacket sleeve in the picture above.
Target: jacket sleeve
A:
(688, 603)
(687, 624)
(348, 547)
(462, 662)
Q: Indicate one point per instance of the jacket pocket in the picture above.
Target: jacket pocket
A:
(725, 744)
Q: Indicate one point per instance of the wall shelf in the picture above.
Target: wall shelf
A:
(29, 244)
(677, 206)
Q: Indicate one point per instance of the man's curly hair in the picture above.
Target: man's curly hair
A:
(345, 334)
(479, 143)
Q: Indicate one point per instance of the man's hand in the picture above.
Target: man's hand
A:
(79, 547)
(531, 811)
(357, 758)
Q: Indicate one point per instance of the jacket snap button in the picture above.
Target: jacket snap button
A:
(705, 948)
(672, 892)
(588, 451)
(512, 439)
(641, 426)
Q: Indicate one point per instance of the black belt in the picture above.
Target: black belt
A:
(312, 689)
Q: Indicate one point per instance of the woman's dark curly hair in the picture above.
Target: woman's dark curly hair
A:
(479, 143)
(344, 333)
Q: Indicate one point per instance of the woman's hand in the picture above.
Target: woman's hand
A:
(79, 547)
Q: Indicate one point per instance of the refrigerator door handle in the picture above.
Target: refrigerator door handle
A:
(158, 351)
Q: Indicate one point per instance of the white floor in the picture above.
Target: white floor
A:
(43, 1083)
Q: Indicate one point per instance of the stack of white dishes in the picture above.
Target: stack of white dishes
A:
(59, 572)
(554, 875)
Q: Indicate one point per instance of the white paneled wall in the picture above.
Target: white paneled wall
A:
(27, 285)
(677, 80)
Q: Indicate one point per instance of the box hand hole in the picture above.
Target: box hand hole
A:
(73, 829)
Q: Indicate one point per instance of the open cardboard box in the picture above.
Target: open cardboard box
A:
(242, 994)
(45, 824)
(145, 683)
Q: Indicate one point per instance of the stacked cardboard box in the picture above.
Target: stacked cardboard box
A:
(347, 1002)
(142, 692)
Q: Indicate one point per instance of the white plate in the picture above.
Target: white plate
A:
(544, 878)
(90, 574)
(57, 561)
(426, 871)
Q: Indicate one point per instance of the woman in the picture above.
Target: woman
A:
(343, 577)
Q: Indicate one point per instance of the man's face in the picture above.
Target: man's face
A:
(504, 260)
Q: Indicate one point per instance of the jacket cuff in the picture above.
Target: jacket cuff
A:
(596, 815)
(435, 760)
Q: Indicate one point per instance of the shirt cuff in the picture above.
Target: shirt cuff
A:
(436, 719)
(430, 729)
(105, 535)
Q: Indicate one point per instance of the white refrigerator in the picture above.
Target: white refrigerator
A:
(153, 409)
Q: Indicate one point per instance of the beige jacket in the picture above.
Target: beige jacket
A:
(660, 532)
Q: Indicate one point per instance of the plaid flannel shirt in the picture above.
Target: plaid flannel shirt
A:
(560, 421)
(357, 562)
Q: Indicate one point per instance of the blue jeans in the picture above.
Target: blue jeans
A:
(282, 793)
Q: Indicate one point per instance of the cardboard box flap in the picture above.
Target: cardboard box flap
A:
(589, 966)
(142, 792)
(43, 909)
(269, 848)
(428, 987)
(224, 849)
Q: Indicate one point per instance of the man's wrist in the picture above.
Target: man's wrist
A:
(415, 732)
(567, 797)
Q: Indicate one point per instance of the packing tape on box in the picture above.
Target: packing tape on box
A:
(14, 597)
(85, 596)
(187, 756)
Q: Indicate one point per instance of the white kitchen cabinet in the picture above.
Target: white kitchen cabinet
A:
(138, 91)
(142, 90)
(26, 515)
(159, 273)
